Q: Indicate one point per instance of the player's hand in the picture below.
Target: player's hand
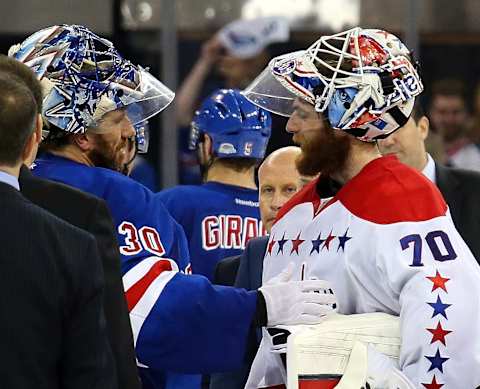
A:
(212, 51)
(297, 302)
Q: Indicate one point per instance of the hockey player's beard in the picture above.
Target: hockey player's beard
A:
(325, 152)
(107, 156)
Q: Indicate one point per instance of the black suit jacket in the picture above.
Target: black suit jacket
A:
(248, 276)
(245, 270)
(461, 190)
(91, 214)
(226, 271)
(51, 299)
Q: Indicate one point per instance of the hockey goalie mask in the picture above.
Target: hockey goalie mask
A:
(362, 80)
(83, 77)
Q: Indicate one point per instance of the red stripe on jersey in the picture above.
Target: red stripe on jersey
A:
(327, 383)
(135, 293)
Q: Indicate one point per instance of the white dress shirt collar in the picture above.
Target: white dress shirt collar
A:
(9, 179)
(429, 169)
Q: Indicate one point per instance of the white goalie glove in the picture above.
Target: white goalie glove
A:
(297, 302)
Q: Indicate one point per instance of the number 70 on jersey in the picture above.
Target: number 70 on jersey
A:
(437, 241)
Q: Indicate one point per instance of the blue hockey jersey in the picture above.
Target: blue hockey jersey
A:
(181, 323)
(218, 220)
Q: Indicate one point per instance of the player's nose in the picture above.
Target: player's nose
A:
(292, 126)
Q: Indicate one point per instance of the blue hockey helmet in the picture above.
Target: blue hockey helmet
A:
(238, 128)
(83, 77)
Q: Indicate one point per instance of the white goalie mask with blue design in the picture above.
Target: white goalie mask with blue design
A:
(363, 81)
(83, 77)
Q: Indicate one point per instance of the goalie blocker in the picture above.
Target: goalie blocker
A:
(345, 352)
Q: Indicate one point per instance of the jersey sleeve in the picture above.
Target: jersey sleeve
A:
(180, 323)
(432, 274)
(183, 323)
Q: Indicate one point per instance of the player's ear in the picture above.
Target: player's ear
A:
(38, 129)
(208, 146)
(423, 125)
(84, 141)
(31, 146)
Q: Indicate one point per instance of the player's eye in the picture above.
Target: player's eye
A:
(267, 190)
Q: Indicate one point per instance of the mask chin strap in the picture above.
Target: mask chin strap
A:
(127, 164)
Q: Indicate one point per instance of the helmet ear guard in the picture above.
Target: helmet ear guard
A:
(196, 136)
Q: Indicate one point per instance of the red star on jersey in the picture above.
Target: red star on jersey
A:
(296, 244)
(433, 385)
(438, 282)
(329, 238)
(438, 334)
(270, 245)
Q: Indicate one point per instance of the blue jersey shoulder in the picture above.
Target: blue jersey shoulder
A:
(218, 220)
(180, 192)
(143, 224)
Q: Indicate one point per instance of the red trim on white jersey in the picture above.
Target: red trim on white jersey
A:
(402, 194)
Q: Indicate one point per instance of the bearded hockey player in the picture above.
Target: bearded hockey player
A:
(385, 241)
(181, 324)
(230, 135)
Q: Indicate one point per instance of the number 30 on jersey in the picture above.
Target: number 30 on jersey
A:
(137, 240)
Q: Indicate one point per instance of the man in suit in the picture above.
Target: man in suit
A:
(278, 181)
(460, 188)
(90, 214)
(51, 283)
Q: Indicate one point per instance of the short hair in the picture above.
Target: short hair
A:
(25, 74)
(449, 87)
(18, 113)
(238, 164)
(417, 112)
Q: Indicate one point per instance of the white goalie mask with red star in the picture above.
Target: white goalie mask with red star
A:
(364, 81)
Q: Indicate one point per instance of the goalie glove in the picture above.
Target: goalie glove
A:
(347, 352)
(297, 302)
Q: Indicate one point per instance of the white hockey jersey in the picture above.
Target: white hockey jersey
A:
(387, 243)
